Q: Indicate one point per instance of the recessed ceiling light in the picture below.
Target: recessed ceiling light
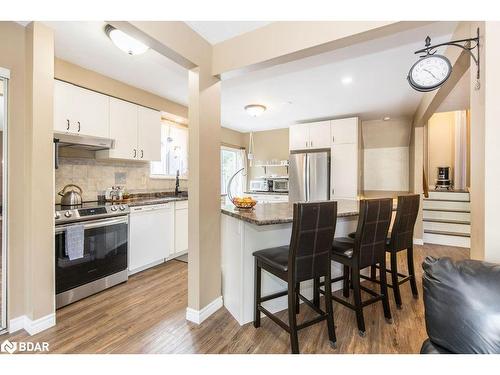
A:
(386, 118)
(125, 42)
(346, 80)
(255, 110)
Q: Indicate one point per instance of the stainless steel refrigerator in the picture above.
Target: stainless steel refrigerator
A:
(309, 176)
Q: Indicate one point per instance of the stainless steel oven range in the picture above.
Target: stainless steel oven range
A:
(103, 262)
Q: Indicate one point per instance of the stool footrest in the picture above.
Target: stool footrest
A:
(273, 296)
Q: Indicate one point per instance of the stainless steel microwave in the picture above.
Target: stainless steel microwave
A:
(280, 185)
(259, 185)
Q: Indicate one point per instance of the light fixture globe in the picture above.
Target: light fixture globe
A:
(255, 110)
(125, 42)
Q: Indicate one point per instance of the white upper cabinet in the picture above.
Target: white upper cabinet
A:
(299, 137)
(123, 129)
(344, 130)
(136, 131)
(148, 134)
(312, 135)
(319, 134)
(80, 111)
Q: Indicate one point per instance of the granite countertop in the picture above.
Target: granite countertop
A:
(136, 202)
(281, 213)
(267, 192)
(147, 199)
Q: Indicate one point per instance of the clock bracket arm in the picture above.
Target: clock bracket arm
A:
(471, 45)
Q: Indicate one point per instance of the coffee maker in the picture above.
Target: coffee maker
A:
(443, 179)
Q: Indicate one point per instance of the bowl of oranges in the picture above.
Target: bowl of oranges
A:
(244, 203)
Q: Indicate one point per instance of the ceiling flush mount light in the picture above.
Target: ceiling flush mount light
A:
(125, 42)
(432, 70)
(386, 118)
(255, 110)
(346, 80)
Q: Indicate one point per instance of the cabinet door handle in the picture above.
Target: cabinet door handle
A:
(79, 126)
(333, 139)
(311, 143)
(135, 153)
(142, 154)
(67, 124)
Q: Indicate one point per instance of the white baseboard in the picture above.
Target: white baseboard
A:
(16, 324)
(198, 316)
(32, 326)
(418, 241)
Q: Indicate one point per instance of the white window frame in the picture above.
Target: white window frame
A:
(171, 175)
(238, 155)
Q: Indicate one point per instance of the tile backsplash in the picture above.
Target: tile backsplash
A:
(94, 175)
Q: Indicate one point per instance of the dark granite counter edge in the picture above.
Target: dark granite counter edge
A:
(273, 221)
(266, 192)
(152, 201)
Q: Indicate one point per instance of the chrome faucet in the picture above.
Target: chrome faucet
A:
(177, 191)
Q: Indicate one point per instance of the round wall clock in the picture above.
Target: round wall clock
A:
(429, 73)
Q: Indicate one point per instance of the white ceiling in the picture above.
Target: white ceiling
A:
(218, 31)
(299, 91)
(311, 88)
(86, 44)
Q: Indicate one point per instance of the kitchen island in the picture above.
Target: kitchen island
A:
(267, 225)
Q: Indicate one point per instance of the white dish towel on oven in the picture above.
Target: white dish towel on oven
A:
(74, 241)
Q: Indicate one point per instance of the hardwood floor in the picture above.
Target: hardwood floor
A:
(147, 315)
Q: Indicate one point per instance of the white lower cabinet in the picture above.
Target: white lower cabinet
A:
(181, 227)
(151, 236)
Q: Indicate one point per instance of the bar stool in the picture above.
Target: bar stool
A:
(365, 250)
(401, 238)
(308, 257)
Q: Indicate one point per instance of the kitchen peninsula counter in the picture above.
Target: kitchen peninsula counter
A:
(282, 213)
(267, 225)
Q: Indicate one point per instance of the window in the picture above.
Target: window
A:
(174, 152)
(232, 159)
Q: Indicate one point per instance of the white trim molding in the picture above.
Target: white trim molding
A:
(4, 73)
(418, 241)
(32, 326)
(198, 316)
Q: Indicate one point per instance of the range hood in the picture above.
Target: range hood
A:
(83, 141)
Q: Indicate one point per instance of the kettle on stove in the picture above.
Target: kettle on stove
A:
(71, 195)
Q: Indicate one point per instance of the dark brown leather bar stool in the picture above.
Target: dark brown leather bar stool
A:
(401, 238)
(307, 257)
(367, 249)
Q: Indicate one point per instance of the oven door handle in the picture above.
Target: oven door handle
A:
(93, 224)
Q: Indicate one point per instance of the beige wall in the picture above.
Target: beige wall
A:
(440, 144)
(77, 75)
(12, 40)
(386, 155)
(284, 41)
(416, 150)
(232, 138)
(485, 153)
(269, 145)
(39, 262)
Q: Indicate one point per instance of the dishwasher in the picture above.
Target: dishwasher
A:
(151, 235)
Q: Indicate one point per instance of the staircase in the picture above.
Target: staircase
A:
(446, 216)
